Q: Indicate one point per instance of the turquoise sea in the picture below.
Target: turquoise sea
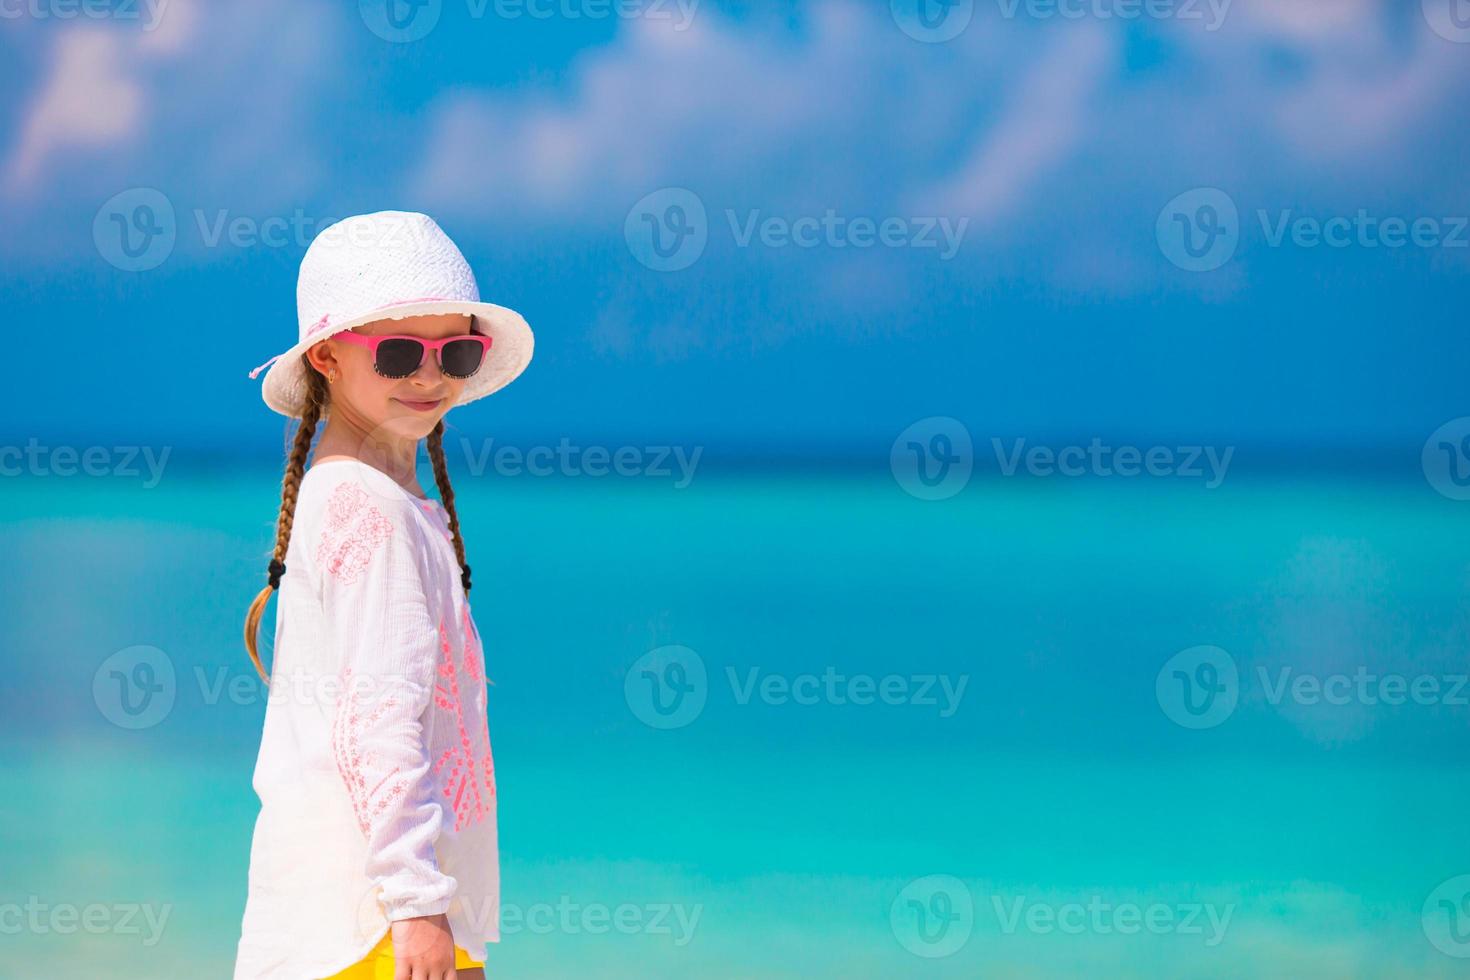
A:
(797, 723)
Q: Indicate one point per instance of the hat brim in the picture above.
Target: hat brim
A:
(284, 388)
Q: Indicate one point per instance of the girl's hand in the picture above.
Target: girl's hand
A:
(423, 949)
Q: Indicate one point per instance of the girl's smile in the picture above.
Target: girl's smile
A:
(419, 406)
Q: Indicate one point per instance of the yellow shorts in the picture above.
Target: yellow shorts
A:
(378, 963)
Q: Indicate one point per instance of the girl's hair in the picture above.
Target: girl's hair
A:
(317, 399)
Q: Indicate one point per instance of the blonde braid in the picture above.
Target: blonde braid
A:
(317, 399)
(446, 496)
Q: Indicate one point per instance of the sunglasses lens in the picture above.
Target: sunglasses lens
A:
(399, 357)
(462, 358)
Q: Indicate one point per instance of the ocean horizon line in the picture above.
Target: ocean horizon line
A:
(1004, 457)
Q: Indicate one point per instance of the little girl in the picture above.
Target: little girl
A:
(375, 852)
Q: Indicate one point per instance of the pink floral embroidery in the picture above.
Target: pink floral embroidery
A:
(469, 784)
(474, 656)
(351, 532)
(357, 763)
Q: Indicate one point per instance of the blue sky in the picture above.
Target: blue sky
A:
(1051, 145)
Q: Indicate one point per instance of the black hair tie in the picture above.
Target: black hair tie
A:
(275, 570)
(465, 578)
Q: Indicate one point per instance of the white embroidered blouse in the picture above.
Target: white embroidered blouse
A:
(375, 778)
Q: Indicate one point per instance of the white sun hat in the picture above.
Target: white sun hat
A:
(390, 265)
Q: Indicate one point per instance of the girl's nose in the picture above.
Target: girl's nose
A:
(429, 371)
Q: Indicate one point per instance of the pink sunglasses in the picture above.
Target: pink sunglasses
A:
(399, 355)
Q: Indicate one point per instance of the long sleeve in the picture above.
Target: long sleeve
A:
(386, 643)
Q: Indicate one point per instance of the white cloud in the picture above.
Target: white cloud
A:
(191, 104)
(1359, 81)
(847, 112)
(1046, 119)
(731, 107)
(95, 96)
(90, 101)
(1036, 131)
